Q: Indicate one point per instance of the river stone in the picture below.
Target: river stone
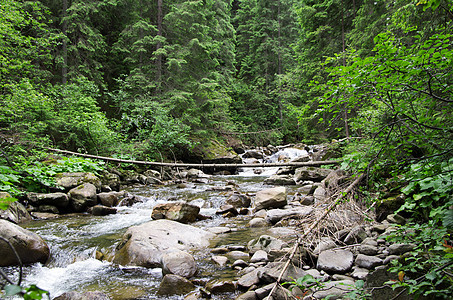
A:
(101, 210)
(266, 243)
(195, 173)
(227, 209)
(356, 235)
(259, 256)
(336, 261)
(258, 222)
(280, 180)
(360, 273)
(83, 296)
(219, 230)
(111, 180)
(236, 255)
(110, 199)
(220, 286)
(250, 295)
(239, 200)
(176, 211)
(320, 193)
(82, 197)
(310, 173)
(179, 263)
(272, 271)
(30, 247)
(16, 212)
(48, 209)
(325, 243)
(275, 215)
(253, 154)
(220, 260)
(72, 180)
(368, 249)
(175, 285)
(144, 245)
(270, 198)
(398, 249)
(250, 279)
(55, 199)
(334, 289)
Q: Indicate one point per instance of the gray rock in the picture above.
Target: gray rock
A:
(253, 154)
(145, 244)
(266, 243)
(249, 279)
(176, 211)
(175, 285)
(320, 193)
(272, 271)
(179, 263)
(360, 273)
(398, 249)
(336, 261)
(240, 263)
(16, 212)
(195, 173)
(275, 215)
(219, 230)
(239, 200)
(48, 209)
(280, 180)
(250, 295)
(258, 222)
(335, 289)
(270, 198)
(368, 249)
(235, 255)
(220, 286)
(311, 173)
(111, 180)
(30, 247)
(110, 199)
(221, 261)
(72, 180)
(356, 235)
(396, 219)
(325, 243)
(82, 197)
(101, 210)
(307, 200)
(227, 208)
(56, 199)
(259, 256)
(367, 262)
(83, 296)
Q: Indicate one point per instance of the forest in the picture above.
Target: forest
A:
(152, 80)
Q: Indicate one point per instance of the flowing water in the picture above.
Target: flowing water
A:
(74, 239)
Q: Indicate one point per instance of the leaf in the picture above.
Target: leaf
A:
(401, 276)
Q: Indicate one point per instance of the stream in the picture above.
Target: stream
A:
(74, 239)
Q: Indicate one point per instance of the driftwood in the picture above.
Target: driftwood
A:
(313, 225)
(201, 165)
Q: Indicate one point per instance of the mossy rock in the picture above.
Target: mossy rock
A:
(387, 206)
(215, 152)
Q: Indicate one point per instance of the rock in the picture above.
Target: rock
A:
(311, 173)
(195, 173)
(266, 243)
(144, 245)
(175, 285)
(396, 219)
(235, 255)
(82, 197)
(334, 289)
(387, 206)
(225, 209)
(179, 263)
(220, 286)
(239, 263)
(280, 180)
(335, 261)
(219, 230)
(320, 193)
(307, 200)
(356, 235)
(324, 244)
(152, 173)
(377, 279)
(71, 180)
(258, 222)
(249, 279)
(83, 296)
(275, 215)
(220, 260)
(359, 273)
(368, 249)
(398, 249)
(239, 200)
(259, 256)
(250, 295)
(16, 212)
(101, 210)
(111, 180)
(176, 211)
(367, 262)
(110, 199)
(48, 209)
(56, 199)
(270, 198)
(272, 271)
(253, 154)
(30, 246)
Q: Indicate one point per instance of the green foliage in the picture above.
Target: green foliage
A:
(31, 292)
(305, 283)
(8, 180)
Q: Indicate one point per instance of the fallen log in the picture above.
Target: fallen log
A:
(202, 165)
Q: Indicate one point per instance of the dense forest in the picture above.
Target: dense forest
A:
(153, 79)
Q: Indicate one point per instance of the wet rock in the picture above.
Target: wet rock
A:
(221, 261)
(270, 198)
(30, 246)
(175, 285)
(179, 263)
(224, 209)
(101, 210)
(335, 289)
(219, 250)
(250, 295)
(356, 235)
(336, 261)
(253, 154)
(398, 249)
(367, 262)
(71, 180)
(275, 215)
(311, 173)
(48, 209)
(55, 199)
(16, 212)
(111, 180)
(258, 222)
(82, 197)
(235, 255)
(259, 256)
(239, 200)
(220, 286)
(145, 244)
(83, 296)
(110, 199)
(280, 180)
(176, 211)
(266, 243)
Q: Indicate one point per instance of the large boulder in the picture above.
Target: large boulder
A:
(60, 200)
(311, 173)
(335, 261)
(82, 197)
(111, 199)
(239, 200)
(144, 245)
(30, 247)
(16, 212)
(72, 180)
(270, 198)
(176, 211)
(179, 263)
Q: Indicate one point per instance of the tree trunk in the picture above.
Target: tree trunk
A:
(64, 69)
(158, 46)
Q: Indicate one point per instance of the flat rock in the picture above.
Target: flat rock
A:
(220, 260)
(275, 215)
(259, 256)
(336, 261)
(176, 211)
(398, 249)
(249, 279)
(280, 180)
(266, 243)
(220, 286)
(270, 198)
(335, 289)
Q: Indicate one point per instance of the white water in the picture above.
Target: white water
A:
(74, 240)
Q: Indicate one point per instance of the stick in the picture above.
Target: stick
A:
(299, 241)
